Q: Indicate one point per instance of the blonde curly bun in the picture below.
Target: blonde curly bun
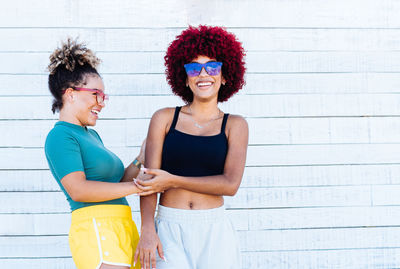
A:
(70, 54)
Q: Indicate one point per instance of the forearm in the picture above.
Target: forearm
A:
(153, 151)
(96, 191)
(215, 185)
(131, 172)
(147, 210)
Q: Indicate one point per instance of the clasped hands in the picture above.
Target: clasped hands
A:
(151, 181)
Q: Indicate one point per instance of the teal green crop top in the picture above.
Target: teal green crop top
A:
(70, 148)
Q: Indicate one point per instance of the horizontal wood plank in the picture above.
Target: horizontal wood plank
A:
(323, 154)
(300, 197)
(124, 13)
(158, 39)
(321, 175)
(42, 224)
(328, 217)
(44, 202)
(323, 259)
(34, 246)
(386, 194)
(37, 263)
(257, 62)
(322, 239)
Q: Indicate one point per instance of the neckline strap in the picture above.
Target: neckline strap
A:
(175, 120)
(224, 122)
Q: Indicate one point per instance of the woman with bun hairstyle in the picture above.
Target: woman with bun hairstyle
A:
(196, 154)
(93, 179)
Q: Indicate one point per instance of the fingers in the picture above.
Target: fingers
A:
(145, 193)
(144, 190)
(142, 259)
(137, 184)
(135, 257)
(143, 176)
(149, 171)
(153, 260)
(150, 259)
(160, 251)
(140, 184)
(144, 183)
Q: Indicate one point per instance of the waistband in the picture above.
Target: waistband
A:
(189, 216)
(100, 211)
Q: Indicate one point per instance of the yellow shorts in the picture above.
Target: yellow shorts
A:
(103, 234)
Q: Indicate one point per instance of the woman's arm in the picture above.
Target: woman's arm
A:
(225, 184)
(149, 241)
(82, 190)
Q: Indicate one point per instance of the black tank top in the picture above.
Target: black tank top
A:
(191, 155)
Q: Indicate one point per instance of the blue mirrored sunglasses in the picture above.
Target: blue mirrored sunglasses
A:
(194, 69)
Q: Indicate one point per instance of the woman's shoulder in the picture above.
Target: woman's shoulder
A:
(58, 131)
(235, 120)
(59, 137)
(60, 134)
(236, 123)
(162, 120)
(164, 114)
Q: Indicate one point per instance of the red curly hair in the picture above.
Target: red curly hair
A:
(213, 42)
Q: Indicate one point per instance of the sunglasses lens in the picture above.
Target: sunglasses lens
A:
(101, 98)
(193, 69)
(213, 68)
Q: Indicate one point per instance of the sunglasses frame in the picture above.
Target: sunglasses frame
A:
(99, 94)
(205, 65)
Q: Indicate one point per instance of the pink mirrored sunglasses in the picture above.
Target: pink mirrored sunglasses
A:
(101, 97)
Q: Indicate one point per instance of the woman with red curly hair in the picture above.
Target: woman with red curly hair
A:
(197, 155)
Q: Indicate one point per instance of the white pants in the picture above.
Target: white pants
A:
(196, 239)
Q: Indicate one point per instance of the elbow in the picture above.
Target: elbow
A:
(231, 192)
(232, 188)
(77, 196)
(75, 185)
(78, 199)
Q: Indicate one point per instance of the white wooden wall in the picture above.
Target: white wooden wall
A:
(322, 182)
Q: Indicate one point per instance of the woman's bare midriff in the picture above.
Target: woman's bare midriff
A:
(184, 199)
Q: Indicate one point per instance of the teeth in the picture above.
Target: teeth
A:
(204, 84)
(95, 111)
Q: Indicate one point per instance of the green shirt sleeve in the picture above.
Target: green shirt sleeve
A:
(63, 154)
